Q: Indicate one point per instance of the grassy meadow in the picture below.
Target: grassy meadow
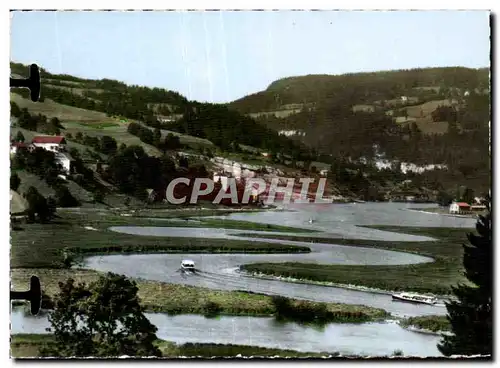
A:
(42, 245)
(432, 277)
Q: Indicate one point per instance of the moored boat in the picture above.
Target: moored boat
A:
(414, 298)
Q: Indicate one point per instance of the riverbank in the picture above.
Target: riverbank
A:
(427, 324)
(312, 282)
(432, 277)
(44, 245)
(444, 211)
(182, 299)
(28, 346)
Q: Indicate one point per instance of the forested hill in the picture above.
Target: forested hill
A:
(423, 116)
(360, 88)
(161, 109)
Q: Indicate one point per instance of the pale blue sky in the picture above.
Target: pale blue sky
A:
(222, 56)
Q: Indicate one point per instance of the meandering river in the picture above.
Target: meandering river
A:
(217, 271)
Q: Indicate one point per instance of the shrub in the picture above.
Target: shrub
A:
(15, 182)
(64, 198)
(211, 309)
(37, 206)
(98, 197)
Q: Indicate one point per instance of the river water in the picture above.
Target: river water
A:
(217, 271)
(375, 339)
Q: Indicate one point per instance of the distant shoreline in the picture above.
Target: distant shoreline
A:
(442, 211)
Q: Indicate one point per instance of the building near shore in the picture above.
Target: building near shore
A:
(459, 207)
(50, 143)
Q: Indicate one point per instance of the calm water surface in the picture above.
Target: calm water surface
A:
(333, 220)
(376, 339)
(217, 271)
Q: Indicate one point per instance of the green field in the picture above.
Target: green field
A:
(41, 245)
(118, 132)
(95, 123)
(434, 277)
(52, 109)
(430, 323)
(102, 125)
(28, 345)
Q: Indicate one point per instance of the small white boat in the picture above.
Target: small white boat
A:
(311, 220)
(415, 298)
(187, 265)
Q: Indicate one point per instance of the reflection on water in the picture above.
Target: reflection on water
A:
(376, 339)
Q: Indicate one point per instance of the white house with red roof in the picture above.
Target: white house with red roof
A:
(54, 143)
(459, 207)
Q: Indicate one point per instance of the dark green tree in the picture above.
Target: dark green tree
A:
(55, 122)
(133, 128)
(75, 153)
(183, 162)
(471, 315)
(108, 145)
(444, 199)
(37, 206)
(64, 198)
(14, 109)
(51, 205)
(19, 137)
(468, 196)
(157, 137)
(15, 182)
(171, 142)
(102, 319)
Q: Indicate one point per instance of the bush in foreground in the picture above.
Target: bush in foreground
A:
(471, 316)
(102, 319)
